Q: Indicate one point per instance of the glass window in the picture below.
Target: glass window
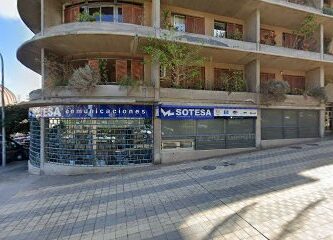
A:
(179, 23)
(220, 29)
(210, 134)
(96, 11)
(178, 129)
(107, 14)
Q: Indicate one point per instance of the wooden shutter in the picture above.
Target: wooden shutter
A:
(189, 24)
(199, 25)
(71, 14)
(121, 69)
(137, 15)
(132, 14)
(265, 77)
(195, 25)
(295, 81)
(137, 70)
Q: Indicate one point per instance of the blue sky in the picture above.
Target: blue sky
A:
(13, 32)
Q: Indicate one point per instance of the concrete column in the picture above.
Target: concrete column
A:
(42, 144)
(252, 28)
(209, 75)
(42, 68)
(315, 78)
(322, 123)
(252, 76)
(42, 18)
(157, 140)
(322, 41)
(53, 13)
(156, 14)
(258, 129)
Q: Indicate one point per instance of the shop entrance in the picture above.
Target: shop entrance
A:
(329, 120)
(99, 142)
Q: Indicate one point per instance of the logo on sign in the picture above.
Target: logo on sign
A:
(167, 113)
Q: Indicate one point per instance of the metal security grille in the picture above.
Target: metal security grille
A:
(34, 149)
(99, 142)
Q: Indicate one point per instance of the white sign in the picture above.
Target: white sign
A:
(235, 112)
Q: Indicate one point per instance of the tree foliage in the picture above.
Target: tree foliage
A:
(181, 61)
(233, 82)
(16, 120)
(274, 91)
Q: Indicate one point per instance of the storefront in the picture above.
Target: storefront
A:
(207, 127)
(289, 124)
(93, 135)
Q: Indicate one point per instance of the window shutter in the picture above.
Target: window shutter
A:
(138, 15)
(71, 14)
(127, 13)
(121, 69)
(132, 14)
(265, 77)
(233, 27)
(295, 81)
(189, 24)
(199, 24)
(137, 70)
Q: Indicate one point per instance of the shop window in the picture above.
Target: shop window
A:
(208, 134)
(289, 124)
(220, 29)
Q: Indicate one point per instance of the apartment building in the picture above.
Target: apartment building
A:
(109, 126)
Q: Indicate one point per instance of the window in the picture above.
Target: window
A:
(220, 29)
(289, 124)
(179, 23)
(105, 13)
(208, 134)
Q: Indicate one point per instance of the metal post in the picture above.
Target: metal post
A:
(3, 112)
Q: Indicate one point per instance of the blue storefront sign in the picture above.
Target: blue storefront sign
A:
(93, 111)
(185, 112)
(169, 112)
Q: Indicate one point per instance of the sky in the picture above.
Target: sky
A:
(13, 33)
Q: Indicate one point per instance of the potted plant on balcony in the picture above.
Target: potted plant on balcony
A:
(303, 36)
(233, 81)
(318, 93)
(274, 91)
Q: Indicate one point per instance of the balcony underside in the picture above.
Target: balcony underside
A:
(81, 39)
(275, 12)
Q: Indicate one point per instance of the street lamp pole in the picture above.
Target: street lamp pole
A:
(3, 112)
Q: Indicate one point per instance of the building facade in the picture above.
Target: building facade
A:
(108, 127)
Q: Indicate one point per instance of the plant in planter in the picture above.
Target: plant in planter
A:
(181, 61)
(318, 93)
(233, 82)
(236, 35)
(274, 91)
(86, 17)
(303, 35)
(128, 82)
(84, 79)
(57, 73)
(296, 91)
(328, 11)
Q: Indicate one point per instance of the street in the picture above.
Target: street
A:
(283, 193)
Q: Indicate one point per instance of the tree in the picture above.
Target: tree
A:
(16, 119)
(180, 61)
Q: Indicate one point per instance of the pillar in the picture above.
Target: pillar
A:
(42, 144)
(42, 18)
(252, 28)
(209, 74)
(156, 13)
(322, 41)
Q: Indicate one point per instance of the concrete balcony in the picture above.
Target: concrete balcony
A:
(298, 101)
(289, 52)
(100, 94)
(207, 96)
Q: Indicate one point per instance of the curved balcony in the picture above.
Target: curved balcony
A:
(100, 94)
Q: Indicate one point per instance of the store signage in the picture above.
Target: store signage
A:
(202, 112)
(92, 111)
(235, 112)
(185, 112)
